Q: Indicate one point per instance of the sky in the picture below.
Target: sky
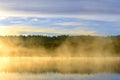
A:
(60, 17)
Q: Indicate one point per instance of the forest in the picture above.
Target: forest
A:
(64, 45)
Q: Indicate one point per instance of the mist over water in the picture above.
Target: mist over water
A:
(58, 54)
(59, 64)
(61, 46)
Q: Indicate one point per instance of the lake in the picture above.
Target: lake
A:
(60, 64)
(58, 76)
(59, 68)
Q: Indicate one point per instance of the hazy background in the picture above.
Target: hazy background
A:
(60, 46)
(92, 26)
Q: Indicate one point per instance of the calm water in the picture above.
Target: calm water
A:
(60, 64)
(59, 68)
(57, 76)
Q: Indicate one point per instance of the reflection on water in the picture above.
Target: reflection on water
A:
(60, 64)
(58, 76)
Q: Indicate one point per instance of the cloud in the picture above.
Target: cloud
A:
(35, 20)
(71, 24)
(107, 18)
(2, 17)
(39, 6)
(95, 15)
(62, 25)
(62, 7)
(102, 10)
(17, 30)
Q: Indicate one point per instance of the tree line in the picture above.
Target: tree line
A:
(73, 45)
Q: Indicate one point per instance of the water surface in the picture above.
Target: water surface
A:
(58, 76)
(60, 64)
